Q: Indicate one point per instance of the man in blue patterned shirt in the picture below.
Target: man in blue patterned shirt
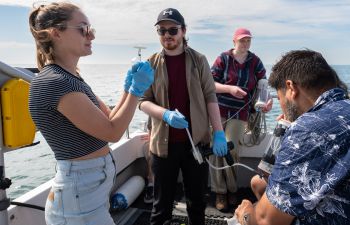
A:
(310, 182)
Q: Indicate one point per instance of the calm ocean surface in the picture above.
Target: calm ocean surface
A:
(30, 167)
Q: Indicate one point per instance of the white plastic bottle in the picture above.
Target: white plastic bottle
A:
(127, 193)
(263, 94)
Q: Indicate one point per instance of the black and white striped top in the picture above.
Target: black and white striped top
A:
(65, 139)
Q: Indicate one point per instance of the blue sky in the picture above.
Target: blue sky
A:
(277, 27)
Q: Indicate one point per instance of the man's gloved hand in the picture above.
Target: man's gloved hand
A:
(127, 81)
(175, 119)
(219, 143)
(142, 78)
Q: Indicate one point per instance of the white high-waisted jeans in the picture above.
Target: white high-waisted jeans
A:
(81, 191)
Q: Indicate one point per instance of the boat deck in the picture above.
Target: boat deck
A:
(139, 212)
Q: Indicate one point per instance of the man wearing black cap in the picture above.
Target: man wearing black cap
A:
(182, 97)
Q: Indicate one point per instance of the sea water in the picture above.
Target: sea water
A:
(30, 167)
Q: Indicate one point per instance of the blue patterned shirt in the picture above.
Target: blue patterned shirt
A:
(311, 176)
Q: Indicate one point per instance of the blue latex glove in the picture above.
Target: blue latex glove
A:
(175, 119)
(136, 66)
(142, 78)
(128, 77)
(220, 144)
(127, 81)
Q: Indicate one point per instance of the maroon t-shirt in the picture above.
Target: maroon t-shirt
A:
(178, 94)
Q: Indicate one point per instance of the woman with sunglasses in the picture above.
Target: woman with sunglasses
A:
(76, 124)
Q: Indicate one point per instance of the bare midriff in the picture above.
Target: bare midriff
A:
(99, 153)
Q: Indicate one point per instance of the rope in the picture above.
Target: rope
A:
(236, 112)
(28, 205)
(235, 164)
(256, 125)
(257, 128)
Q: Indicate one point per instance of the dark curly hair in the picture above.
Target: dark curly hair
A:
(306, 68)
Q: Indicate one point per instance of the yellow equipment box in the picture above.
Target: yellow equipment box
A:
(17, 124)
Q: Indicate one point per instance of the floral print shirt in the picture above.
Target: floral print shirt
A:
(311, 176)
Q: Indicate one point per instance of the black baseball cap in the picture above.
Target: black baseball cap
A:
(170, 14)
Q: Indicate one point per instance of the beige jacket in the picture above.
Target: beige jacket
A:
(201, 90)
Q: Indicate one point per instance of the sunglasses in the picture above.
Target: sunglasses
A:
(172, 31)
(85, 30)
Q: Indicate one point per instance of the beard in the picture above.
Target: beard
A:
(171, 46)
(292, 112)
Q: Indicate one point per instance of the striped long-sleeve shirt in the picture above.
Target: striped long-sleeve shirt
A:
(227, 70)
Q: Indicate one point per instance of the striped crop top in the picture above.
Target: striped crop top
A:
(65, 139)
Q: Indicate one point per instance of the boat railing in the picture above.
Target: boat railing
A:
(7, 73)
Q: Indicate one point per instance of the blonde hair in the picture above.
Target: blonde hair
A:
(41, 20)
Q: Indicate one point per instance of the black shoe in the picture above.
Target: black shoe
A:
(148, 198)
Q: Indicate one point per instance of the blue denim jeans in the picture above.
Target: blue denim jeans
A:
(81, 191)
